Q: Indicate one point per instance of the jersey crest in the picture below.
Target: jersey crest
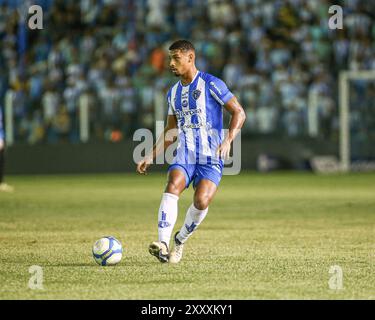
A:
(196, 94)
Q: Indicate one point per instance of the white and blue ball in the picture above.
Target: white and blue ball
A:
(107, 251)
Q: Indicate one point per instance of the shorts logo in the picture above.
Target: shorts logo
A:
(217, 168)
(196, 94)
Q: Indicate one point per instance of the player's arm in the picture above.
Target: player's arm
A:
(164, 141)
(237, 120)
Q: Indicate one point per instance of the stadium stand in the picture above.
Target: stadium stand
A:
(272, 54)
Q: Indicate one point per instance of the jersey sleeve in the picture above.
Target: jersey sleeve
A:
(219, 91)
(169, 102)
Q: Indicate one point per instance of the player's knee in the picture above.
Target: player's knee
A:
(201, 201)
(173, 188)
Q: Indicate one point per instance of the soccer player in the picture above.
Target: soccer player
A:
(3, 186)
(195, 110)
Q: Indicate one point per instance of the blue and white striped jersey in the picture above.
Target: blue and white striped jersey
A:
(199, 113)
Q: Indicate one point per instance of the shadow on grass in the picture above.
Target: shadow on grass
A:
(128, 263)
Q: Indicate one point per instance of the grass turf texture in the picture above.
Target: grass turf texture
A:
(265, 237)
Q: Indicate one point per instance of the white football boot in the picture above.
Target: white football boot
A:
(159, 250)
(176, 254)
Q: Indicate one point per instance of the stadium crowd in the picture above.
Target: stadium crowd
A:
(272, 55)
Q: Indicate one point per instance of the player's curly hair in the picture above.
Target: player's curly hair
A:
(183, 45)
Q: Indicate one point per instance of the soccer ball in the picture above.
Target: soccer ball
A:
(107, 251)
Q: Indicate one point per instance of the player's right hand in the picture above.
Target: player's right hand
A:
(143, 165)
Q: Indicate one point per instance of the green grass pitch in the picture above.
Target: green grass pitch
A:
(270, 236)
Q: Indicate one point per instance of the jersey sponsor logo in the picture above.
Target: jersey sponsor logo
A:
(196, 94)
(192, 126)
(185, 95)
(185, 119)
(183, 113)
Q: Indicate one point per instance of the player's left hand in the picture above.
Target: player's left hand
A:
(223, 150)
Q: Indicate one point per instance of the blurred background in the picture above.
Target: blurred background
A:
(74, 92)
